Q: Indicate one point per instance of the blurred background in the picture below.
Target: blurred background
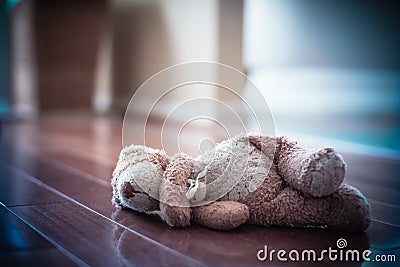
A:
(330, 70)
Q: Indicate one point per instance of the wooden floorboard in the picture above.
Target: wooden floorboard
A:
(383, 194)
(234, 248)
(73, 185)
(15, 190)
(381, 211)
(384, 212)
(91, 237)
(383, 236)
(17, 236)
(20, 245)
(99, 170)
(82, 190)
(44, 257)
(55, 175)
(375, 171)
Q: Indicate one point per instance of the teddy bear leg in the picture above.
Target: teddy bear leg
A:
(318, 172)
(290, 208)
(350, 210)
(221, 215)
(346, 210)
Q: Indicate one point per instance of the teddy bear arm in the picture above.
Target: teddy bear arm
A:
(174, 206)
(318, 172)
(221, 215)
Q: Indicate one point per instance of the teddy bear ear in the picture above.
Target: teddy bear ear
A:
(159, 157)
(265, 144)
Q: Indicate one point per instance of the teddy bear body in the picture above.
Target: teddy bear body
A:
(247, 179)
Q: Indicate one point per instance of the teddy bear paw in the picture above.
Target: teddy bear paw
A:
(327, 174)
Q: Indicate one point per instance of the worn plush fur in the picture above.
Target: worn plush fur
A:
(271, 181)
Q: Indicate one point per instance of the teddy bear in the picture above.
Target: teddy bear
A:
(249, 178)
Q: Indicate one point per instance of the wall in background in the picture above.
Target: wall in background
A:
(5, 60)
(328, 68)
(312, 33)
(148, 36)
(67, 41)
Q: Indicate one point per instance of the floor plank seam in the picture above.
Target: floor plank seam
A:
(386, 223)
(4, 252)
(53, 190)
(85, 154)
(78, 172)
(51, 241)
(384, 203)
(35, 204)
(96, 160)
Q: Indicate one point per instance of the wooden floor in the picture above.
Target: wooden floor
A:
(56, 209)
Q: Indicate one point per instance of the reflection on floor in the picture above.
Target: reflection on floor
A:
(55, 207)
